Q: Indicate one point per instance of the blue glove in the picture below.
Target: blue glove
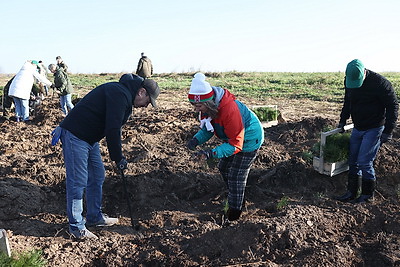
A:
(204, 153)
(385, 137)
(122, 164)
(341, 127)
(192, 143)
(56, 134)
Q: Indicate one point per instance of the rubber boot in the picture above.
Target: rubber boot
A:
(233, 214)
(367, 191)
(353, 186)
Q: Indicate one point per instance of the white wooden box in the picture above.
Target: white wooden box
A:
(267, 124)
(326, 168)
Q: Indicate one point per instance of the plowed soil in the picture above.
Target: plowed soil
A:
(290, 219)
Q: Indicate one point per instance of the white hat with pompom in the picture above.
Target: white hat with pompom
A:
(200, 90)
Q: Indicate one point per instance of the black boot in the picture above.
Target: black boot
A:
(367, 191)
(233, 214)
(353, 186)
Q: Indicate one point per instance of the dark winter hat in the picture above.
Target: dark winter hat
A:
(152, 89)
(355, 74)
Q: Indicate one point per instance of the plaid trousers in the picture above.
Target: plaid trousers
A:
(234, 171)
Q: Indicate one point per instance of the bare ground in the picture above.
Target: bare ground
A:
(290, 218)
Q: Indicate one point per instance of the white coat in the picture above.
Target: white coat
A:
(22, 84)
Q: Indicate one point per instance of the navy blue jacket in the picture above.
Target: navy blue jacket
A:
(372, 105)
(102, 112)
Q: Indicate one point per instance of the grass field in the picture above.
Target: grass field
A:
(327, 86)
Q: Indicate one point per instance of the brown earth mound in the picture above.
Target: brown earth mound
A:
(290, 217)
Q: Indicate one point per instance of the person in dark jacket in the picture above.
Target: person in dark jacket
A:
(372, 104)
(101, 113)
(63, 87)
(145, 67)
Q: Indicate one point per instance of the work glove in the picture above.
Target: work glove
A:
(341, 127)
(385, 137)
(122, 164)
(192, 143)
(204, 154)
(55, 135)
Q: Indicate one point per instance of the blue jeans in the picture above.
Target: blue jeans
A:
(21, 108)
(84, 171)
(364, 146)
(66, 103)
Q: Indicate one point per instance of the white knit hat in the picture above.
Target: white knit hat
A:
(200, 90)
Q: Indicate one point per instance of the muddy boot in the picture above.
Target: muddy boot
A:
(353, 186)
(233, 214)
(367, 191)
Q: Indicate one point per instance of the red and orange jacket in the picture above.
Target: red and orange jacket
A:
(236, 125)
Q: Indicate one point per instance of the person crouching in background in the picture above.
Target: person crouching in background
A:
(63, 87)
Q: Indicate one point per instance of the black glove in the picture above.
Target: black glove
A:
(341, 127)
(122, 164)
(192, 143)
(52, 86)
(385, 137)
(204, 153)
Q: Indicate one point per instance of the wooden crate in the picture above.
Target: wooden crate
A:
(4, 245)
(267, 124)
(326, 168)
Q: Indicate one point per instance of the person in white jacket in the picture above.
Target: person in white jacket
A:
(21, 86)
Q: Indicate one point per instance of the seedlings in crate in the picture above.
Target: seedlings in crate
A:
(336, 148)
(266, 113)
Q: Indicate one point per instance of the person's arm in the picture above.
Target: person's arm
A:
(116, 106)
(234, 130)
(41, 78)
(391, 104)
(345, 113)
(203, 135)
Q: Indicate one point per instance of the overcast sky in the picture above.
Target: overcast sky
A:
(207, 35)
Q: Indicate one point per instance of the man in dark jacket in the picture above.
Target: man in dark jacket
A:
(101, 113)
(145, 67)
(372, 104)
(63, 86)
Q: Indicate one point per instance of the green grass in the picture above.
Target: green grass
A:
(282, 203)
(25, 259)
(317, 86)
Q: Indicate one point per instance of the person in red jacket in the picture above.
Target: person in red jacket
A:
(239, 129)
